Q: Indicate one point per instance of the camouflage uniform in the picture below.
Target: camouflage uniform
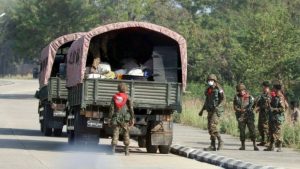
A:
(262, 102)
(276, 120)
(243, 106)
(214, 107)
(120, 119)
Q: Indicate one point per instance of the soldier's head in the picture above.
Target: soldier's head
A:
(266, 86)
(277, 85)
(212, 79)
(241, 89)
(122, 87)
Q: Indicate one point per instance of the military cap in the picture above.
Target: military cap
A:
(266, 84)
(240, 87)
(122, 87)
(212, 77)
(277, 84)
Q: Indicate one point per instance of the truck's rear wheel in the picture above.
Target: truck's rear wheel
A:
(149, 147)
(47, 131)
(82, 134)
(42, 126)
(142, 141)
(164, 149)
(57, 132)
(71, 137)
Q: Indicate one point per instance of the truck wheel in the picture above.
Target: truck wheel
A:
(42, 126)
(71, 137)
(150, 148)
(47, 131)
(57, 132)
(164, 149)
(142, 141)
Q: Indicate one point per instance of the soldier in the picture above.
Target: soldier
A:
(243, 105)
(276, 118)
(214, 106)
(121, 117)
(262, 103)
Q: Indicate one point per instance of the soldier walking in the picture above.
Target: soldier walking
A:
(277, 109)
(214, 106)
(243, 105)
(121, 117)
(262, 103)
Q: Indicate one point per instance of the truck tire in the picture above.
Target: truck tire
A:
(57, 132)
(142, 141)
(83, 135)
(149, 147)
(71, 137)
(47, 131)
(164, 149)
(42, 126)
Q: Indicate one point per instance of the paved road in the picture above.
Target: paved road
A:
(199, 139)
(23, 147)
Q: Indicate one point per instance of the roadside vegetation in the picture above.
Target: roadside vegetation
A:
(228, 124)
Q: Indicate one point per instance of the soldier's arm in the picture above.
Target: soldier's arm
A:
(235, 105)
(111, 109)
(221, 96)
(130, 108)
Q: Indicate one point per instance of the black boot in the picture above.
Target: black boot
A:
(126, 151)
(262, 143)
(242, 146)
(270, 147)
(212, 146)
(254, 146)
(279, 146)
(220, 143)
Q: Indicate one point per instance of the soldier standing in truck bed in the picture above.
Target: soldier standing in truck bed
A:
(121, 117)
(214, 106)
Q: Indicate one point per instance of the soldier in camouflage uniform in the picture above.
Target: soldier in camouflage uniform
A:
(276, 118)
(214, 106)
(243, 105)
(262, 103)
(121, 117)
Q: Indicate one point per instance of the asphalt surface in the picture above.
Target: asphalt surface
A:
(22, 145)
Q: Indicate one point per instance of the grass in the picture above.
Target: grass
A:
(228, 123)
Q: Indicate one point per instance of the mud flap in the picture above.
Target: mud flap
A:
(161, 138)
(162, 133)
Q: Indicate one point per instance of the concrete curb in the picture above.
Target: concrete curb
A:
(208, 157)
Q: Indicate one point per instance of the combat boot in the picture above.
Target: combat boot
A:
(212, 146)
(279, 147)
(126, 151)
(262, 143)
(113, 149)
(254, 146)
(220, 143)
(270, 148)
(243, 147)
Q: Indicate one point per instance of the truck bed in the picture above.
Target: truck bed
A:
(56, 89)
(145, 94)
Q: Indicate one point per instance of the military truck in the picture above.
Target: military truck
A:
(156, 95)
(52, 93)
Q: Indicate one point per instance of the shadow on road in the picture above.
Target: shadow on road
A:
(21, 132)
(17, 96)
